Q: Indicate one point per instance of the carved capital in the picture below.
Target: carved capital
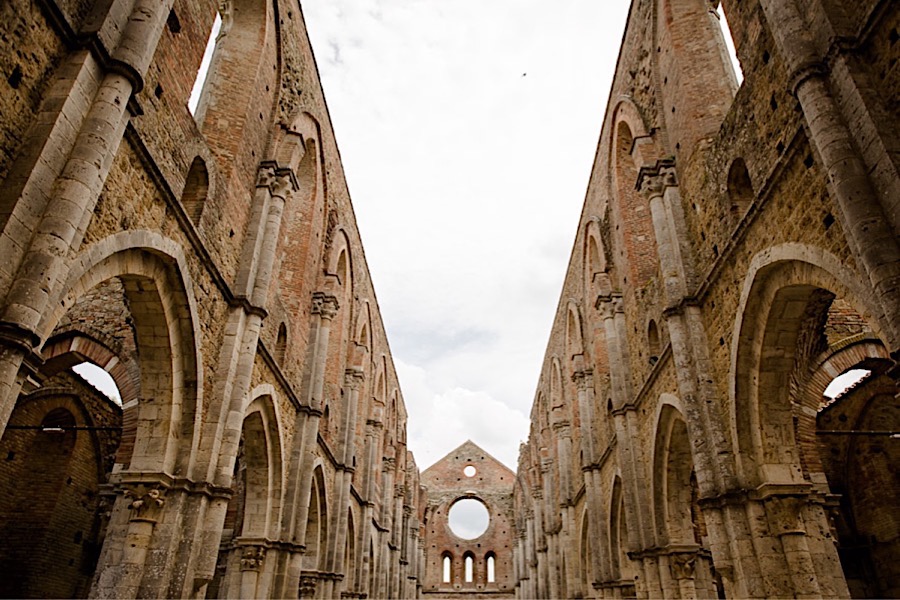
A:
(145, 502)
(308, 586)
(682, 565)
(284, 183)
(354, 378)
(388, 464)
(265, 174)
(652, 181)
(584, 379)
(785, 514)
(562, 428)
(325, 305)
(252, 558)
(609, 306)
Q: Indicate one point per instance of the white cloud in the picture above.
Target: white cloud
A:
(467, 131)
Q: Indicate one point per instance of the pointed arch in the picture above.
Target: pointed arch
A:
(316, 524)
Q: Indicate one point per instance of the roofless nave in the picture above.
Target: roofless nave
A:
(737, 250)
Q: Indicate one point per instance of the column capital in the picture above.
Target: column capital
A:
(325, 305)
(652, 181)
(354, 378)
(146, 501)
(584, 379)
(280, 181)
(609, 305)
(252, 557)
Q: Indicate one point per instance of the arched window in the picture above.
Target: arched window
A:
(740, 191)
(653, 345)
(491, 568)
(196, 188)
(470, 568)
(446, 567)
(203, 71)
(729, 46)
(281, 343)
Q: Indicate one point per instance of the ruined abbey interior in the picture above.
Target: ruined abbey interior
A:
(738, 249)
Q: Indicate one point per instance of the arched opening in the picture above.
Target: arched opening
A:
(196, 189)
(349, 582)
(469, 567)
(281, 343)
(54, 456)
(622, 568)
(255, 484)
(129, 310)
(677, 499)
(740, 191)
(801, 327)
(730, 51)
(446, 568)
(634, 222)
(586, 553)
(316, 524)
(653, 343)
(491, 567)
(203, 71)
(857, 430)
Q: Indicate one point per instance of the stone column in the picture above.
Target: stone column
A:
(54, 185)
(237, 355)
(865, 219)
(324, 309)
(340, 503)
(629, 451)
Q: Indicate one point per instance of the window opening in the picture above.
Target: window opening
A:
(446, 578)
(729, 45)
(845, 381)
(99, 379)
(468, 518)
(491, 574)
(470, 471)
(470, 569)
(203, 72)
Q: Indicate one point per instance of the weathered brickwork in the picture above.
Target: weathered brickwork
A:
(211, 264)
(469, 474)
(681, 443)
(737, 251)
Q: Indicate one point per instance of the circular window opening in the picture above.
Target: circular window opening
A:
(468, 518)
(470, 471)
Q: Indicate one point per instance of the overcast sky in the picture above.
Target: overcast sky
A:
(467, 131)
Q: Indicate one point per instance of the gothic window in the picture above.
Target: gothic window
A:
(203, 71)
(196, 188)
(446, 568)
(281, 343)
(491, 568)
(470, 568)
(740, 191)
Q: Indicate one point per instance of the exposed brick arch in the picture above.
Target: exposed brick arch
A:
(72, 347)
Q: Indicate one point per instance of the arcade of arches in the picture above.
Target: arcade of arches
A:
(738, 251)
